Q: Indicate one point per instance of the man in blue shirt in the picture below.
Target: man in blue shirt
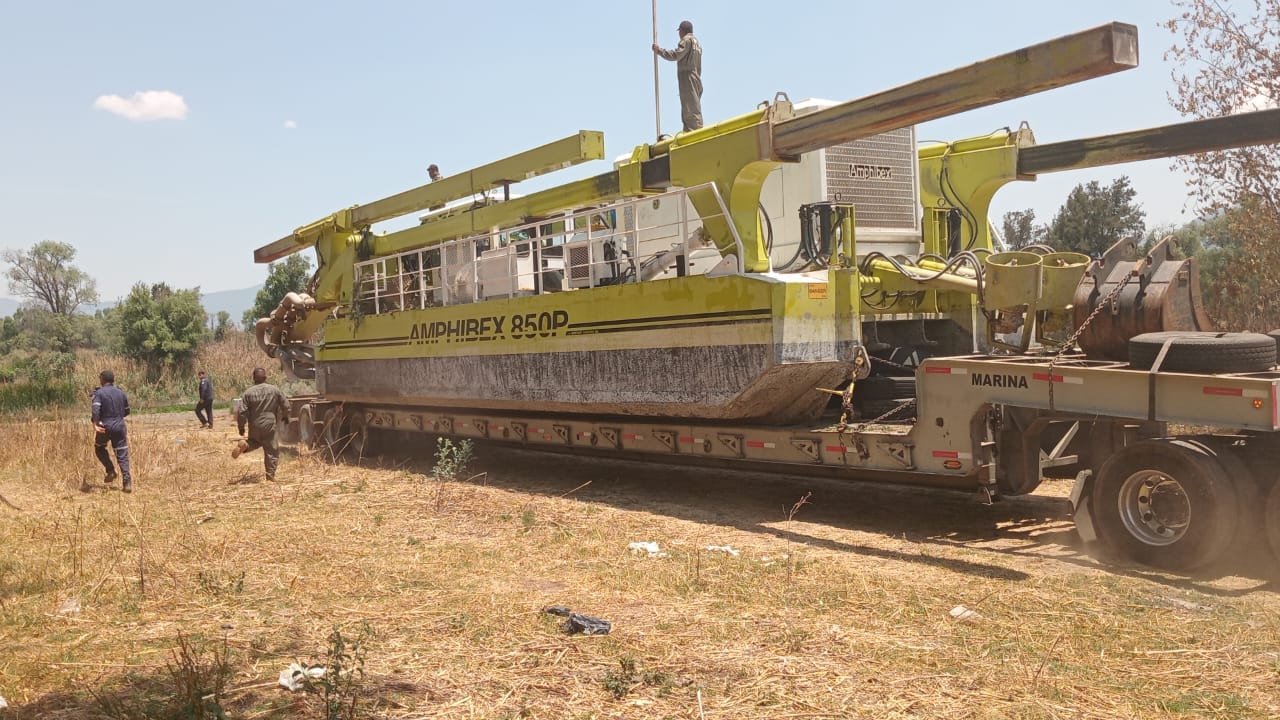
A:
(110, 407)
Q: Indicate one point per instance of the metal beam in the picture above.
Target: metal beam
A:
(585, 145)
(283, 247)
(1197, 136)
(1069, 59)
(581, 147)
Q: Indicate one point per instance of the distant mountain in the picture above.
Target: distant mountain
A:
(234, 302)
(7, 306)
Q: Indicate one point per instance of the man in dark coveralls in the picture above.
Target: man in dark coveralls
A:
(110, 407)
(204, 406)
(261, 407)
(688, 58)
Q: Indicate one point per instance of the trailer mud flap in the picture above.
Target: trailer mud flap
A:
(1081, 509)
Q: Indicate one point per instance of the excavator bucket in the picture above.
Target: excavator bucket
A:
(1150, 293)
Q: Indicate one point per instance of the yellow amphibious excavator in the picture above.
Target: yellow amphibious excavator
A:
(802, 288)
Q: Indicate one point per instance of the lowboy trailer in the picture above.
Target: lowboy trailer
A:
(646, 313)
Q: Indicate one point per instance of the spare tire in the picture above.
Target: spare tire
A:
(1275, 335)
(1208, 352)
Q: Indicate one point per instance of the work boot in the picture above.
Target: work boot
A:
(128, 486)
(110, 477)
(241, 447)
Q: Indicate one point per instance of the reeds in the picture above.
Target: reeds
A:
(229, 362)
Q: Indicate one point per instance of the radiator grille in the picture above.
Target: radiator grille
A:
(579, 262)
(878, 175)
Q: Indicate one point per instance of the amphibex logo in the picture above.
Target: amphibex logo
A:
(491, 327)
(870, 172)
(1000, 381)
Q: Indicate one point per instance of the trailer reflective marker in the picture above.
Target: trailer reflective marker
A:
(1067, 379)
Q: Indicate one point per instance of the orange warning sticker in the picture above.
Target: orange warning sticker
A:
(817, 291)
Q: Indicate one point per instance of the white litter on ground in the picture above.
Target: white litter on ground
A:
(728, 550)
(69, 607)
(295, 676)
(964, 614)
(648, 548)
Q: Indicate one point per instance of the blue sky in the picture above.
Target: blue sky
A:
(296, 109)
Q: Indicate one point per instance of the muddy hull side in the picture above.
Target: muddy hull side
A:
(727, 349)
(739, 383)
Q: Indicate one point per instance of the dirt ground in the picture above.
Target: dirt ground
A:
(838, 600)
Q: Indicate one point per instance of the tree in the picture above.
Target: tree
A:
(161, 326)
(1019, 229)
(221, 326)
(1094, 218)
(284, 277)
(1228, 62)
(44, 274)
(1232, 299)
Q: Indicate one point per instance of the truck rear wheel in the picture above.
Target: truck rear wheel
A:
(307, 427)
(334, 433)
(1273, 519)
(358, 436)
(1165, 503)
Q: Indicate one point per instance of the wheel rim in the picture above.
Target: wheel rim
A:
(1154, 507)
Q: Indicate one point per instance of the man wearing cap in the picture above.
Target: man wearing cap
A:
(433, 172)
(688, 57)
(110, 406)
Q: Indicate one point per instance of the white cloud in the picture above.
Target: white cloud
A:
(1260, 101)
(290, 124)
(146, 105)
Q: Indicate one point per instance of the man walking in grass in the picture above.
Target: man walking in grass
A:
(261, 407)
(110, 407)
(204, 406)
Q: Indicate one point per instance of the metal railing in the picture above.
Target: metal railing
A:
(634, 240)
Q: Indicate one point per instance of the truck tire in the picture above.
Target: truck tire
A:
(307, 431)
(1250, 516)
(287, 431)
(1272, 522)
(334, 434)
(1165, 503)
(1208, 352)
(1275, 335)
(359, 436)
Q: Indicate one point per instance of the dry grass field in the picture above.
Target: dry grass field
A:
(188, 597)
